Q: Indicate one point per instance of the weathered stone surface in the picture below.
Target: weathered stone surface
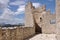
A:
(58, 19)
(42, 19)
(44, 37)
(29, 21)
(18, 33)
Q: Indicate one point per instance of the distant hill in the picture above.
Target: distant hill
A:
(11, 25)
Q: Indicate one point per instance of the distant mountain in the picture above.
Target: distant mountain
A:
(11, 25)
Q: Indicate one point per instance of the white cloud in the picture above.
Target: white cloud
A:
(20, 9)
(8, 16)
(3, 4)
(4, 1)
(36, 5)
(7, 13)
(21, 4)
(11, 21)
(18, 2)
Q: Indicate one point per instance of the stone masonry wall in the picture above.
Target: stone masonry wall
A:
(58, 19)
(18, 33)
(47, 27)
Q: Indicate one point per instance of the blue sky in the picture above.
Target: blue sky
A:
(12, 11)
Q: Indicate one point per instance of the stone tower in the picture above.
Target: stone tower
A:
(58, 10)
(28, 15)
(58, 19)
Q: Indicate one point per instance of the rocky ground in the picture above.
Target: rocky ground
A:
(44, 37)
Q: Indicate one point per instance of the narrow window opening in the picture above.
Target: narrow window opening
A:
(40, 19)
(52, 21)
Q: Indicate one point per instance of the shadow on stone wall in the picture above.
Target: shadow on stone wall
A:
(37, 29)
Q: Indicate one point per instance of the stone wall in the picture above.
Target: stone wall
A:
(44, 22)
(58, 19)
(47, 27)
(18, 33)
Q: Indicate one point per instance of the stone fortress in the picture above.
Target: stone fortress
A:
(37, 21)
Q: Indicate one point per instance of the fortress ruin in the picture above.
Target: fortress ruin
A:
(37, 20)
